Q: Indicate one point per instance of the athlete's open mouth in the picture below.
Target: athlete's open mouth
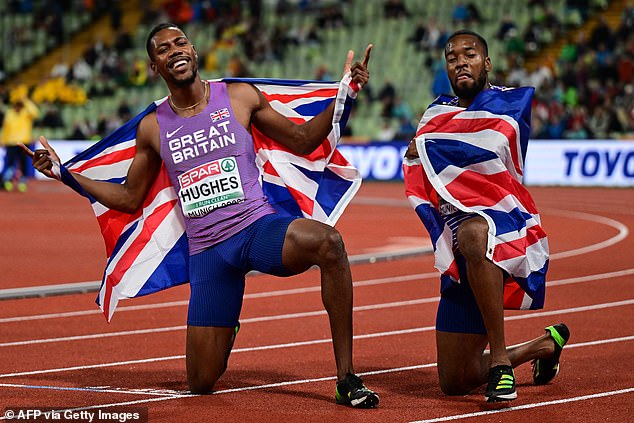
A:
(178, 63)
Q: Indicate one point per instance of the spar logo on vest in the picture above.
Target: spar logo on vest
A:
(210, 186)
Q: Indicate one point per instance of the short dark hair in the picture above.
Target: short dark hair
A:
(479, 37)
(157, 28)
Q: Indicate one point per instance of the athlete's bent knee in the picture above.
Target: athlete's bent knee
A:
(452, 388)
(201, 385)
(472, 238)
(331, 248)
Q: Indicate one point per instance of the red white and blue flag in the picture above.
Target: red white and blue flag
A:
(473, 159)
(147, 251)
(219, 114)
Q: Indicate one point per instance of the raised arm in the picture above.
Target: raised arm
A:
(305, 138)
(127, 197)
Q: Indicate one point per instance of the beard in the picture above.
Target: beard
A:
(469, 92)
(186, 80)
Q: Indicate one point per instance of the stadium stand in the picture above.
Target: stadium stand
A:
(531, 42)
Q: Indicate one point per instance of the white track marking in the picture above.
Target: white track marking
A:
(528, 406)
(325, 340)
(567, 281)
(146, 392)
(282, 292)
(180, 395)
(243, 321)
(623, 232)
(369, 282)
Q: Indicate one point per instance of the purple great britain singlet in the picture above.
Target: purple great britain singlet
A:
(210, 161)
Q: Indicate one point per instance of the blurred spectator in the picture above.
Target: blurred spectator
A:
(17, 128)
(505, 26)
(80, 131)
(406, 130)
(236, 68)
(386, 96)
(330, 16)
(576, 132)
(116, 15)
(417, 38)
(599, 123)
(81, 70)
(460, 14)
(387, 131)
(123, 42)
(440, 83)
(179, 11)
(473, 13)
(138, 73)
(323, 74)
(601, 34)
(124, 112)
(394, 9)
(514, 43)
(59, 70)
(401, 109)
(51, 118)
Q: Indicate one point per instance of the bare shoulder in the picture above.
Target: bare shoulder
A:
(148, 132)
(246, 95)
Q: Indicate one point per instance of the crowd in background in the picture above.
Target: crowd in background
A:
(585, 92)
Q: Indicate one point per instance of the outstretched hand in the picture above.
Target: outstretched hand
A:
(359, 70)
(44, 159)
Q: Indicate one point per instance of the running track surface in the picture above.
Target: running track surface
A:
(59, 352)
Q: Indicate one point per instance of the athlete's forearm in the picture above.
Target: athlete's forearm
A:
(315, 131)
(115, 196)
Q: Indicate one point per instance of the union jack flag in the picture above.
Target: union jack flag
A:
(219, 115)
(147, 251)
(473, 159)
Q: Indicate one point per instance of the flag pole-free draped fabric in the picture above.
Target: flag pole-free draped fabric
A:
(147, 251)
(473, 158)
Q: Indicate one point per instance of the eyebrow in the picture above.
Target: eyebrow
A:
(176, 39)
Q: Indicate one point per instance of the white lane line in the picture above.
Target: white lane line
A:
(151, 392)
(528, 406)
(589, 278)
(385, 253)
(622, 229)
(178, 395)
(379, 306)
(623, 232)
(283, 292)
(321, 341)
(369, 282)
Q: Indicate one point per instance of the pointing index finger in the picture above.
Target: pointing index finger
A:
(366, 57)
(27, 150)
(349, 60)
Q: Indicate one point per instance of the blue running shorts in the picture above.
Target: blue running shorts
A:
(217, 275)
(458, 311)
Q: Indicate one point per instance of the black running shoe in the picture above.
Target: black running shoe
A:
(545, 369)
(351, 391)
(501, 385)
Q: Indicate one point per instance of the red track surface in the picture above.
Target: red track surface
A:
(48, 236)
